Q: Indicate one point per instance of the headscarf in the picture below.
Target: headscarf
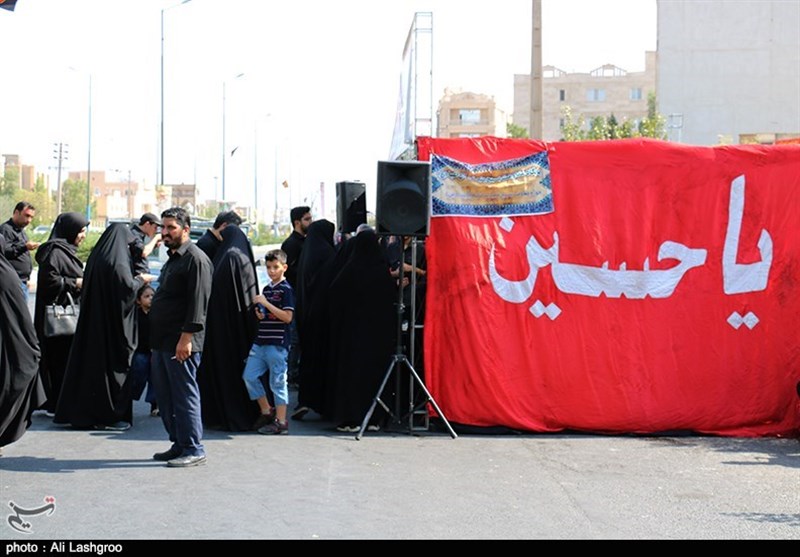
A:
(68, 226)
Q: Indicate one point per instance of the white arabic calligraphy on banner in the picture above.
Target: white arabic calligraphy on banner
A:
(657, 283)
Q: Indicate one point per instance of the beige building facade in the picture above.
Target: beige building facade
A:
(603, 91)
(26, 172)
(116, 200)
(466, 114)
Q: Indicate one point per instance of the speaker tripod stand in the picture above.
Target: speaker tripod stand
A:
(399, 360)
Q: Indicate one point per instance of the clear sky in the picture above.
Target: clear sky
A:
(319, 89)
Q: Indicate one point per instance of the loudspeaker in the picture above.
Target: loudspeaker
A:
(351, 206)
(403, 205)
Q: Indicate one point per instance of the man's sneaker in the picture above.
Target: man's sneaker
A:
(168, 455)
(187, 461)
(275, 428)
(300, 412)
(264, 419)
(118, 426)
(347, 428)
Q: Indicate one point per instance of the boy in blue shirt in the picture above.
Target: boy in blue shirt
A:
(270, 350)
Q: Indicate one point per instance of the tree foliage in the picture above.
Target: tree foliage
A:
(73, 197)
(515, 131)
(9, 182)
(608, 127)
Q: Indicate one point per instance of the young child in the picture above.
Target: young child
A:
(140, 364)
(274, 310)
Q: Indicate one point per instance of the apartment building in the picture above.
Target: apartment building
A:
(466, 114)
(603, 91)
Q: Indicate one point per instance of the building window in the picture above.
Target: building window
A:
(636, 94)
(469, 116)
(561, 123)
(562, 95)
(595, 95)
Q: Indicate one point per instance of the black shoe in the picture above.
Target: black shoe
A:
(168, 455)
(187, 461)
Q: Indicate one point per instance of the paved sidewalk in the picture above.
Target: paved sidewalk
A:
(317, 483)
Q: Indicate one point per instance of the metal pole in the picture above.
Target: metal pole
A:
(275, 214)
(223, 141)
(255, 172)
(89, 163)
(161, 181)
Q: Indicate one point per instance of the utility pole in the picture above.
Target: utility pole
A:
(60, 154)
(535, 131)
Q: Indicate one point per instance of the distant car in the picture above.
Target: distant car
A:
(41, 229)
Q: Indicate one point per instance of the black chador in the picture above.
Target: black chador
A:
(96, 390)
(21, 388)
(230, 328)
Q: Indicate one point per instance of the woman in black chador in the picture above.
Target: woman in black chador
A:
(312, 326)
(230, 327)
(60, 273)
(21, 388)
(96, 391)
(362, 330)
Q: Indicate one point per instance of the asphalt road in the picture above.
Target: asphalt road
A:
(317, 483)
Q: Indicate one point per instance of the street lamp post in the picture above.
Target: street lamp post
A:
(162, 85)
(89, 161)
(224, 152)
(255, 173)
(89, 150)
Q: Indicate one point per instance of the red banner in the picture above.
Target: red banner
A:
(660, 294)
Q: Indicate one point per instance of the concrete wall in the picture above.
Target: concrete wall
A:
(729, 67)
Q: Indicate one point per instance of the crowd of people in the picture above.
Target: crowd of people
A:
(212, 348)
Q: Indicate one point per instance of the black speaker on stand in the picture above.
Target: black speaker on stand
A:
(403, 209)
(351, 206)
(403, 203)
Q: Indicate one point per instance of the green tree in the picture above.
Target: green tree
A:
(626, 130)
(571, 128)
(598, 128)
(655, 124)
(515, 131)
(73, 197)
(9, 183)
(601, 127)
(613, 127)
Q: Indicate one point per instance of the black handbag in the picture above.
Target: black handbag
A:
(59, 320)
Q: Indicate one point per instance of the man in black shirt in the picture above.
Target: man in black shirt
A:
(177, 331)
(211, 240)
(146, 239)
(292, 247)
(17, 247)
